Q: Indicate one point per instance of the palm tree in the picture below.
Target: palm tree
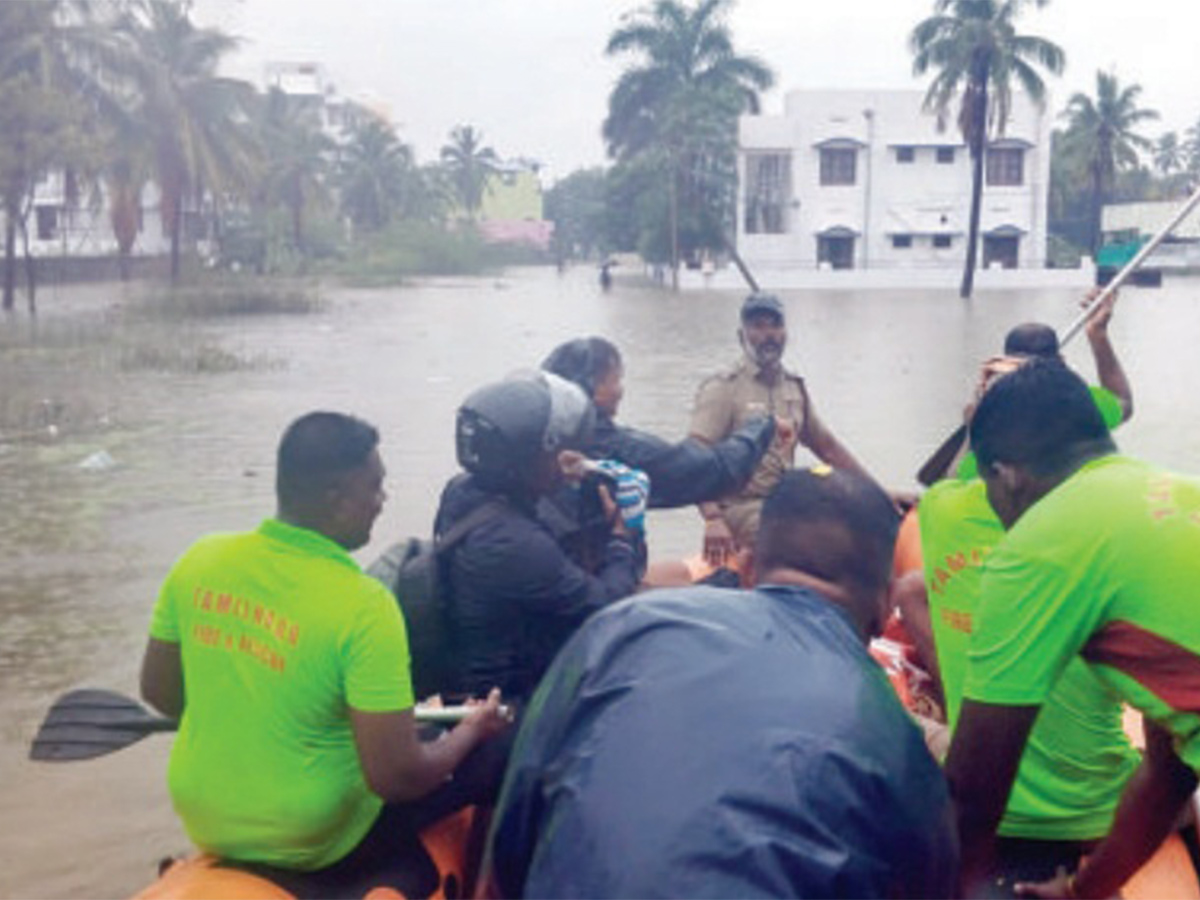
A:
(193, 120)
(469, 165)
(41, 119)
(677, 107)
(298, 160)
(1168, 154)
(372, 173)
(1102, 130)
(974, 50)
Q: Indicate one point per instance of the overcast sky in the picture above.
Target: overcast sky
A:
(532, 74)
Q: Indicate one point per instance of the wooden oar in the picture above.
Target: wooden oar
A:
(88, 723)
(937, 464)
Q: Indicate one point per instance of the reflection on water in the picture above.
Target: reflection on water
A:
(83, 550)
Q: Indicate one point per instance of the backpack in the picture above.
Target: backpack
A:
(413, 571)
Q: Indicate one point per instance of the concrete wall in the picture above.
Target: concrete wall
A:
(919, 198)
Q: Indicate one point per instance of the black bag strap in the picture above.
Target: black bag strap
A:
(459, 530)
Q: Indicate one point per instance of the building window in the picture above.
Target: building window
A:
(941, 241)
(906, 154)
(901, 241)
(838, 165)
(945, 155)
(1002, 250)
(836, 250)
(47, 222)
(768, 193)
(1006, 166)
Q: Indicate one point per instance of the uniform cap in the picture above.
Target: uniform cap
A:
(760, 302)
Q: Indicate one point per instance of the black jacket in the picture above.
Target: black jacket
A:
(689, 471)
(514, 594)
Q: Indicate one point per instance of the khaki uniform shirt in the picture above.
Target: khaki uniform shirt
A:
(728, 400)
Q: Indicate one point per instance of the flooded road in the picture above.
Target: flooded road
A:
(82, 549)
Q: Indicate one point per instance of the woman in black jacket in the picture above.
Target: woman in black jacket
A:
(681, 474)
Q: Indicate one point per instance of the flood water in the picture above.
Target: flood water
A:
(82, 551)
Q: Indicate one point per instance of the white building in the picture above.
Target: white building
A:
(866, 180)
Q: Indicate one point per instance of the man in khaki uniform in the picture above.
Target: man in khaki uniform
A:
(759, 385)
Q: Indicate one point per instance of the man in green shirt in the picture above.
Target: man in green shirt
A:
(288, 670)
(1101, 561)
(1078, 758)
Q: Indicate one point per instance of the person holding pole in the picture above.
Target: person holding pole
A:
(288, 669)
(1100, 562)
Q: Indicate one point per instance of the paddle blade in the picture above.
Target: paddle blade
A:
(937, 465)
(85, 724)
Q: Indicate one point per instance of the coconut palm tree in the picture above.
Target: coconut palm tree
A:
(1168, 154)
(373, 171)
(41, 119)
(677, 106)
(1102, 130)
(298, 160)
(469, 165)
(194, 121)
(976, 55)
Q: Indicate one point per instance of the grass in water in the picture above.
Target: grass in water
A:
(218, 296)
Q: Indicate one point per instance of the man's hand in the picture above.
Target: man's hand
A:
(719, 546)
(1097, 323)
(1059, 887)
(612, 512)
(487, 718)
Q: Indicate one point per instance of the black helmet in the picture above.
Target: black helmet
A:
(505, 428)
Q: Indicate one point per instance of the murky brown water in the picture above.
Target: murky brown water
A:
(81, 552)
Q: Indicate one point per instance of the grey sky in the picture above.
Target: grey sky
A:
(532, 75)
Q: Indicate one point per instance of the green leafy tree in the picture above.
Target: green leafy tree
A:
(1102, 135)
(575, 205)
(195, 122)
(675, 109)
(374, 172)
(976, 55)
(469, 164)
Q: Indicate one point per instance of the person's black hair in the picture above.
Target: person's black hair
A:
(1041, 417)
(584, 361)
(314, 452)
(825, 498)
(1031, 339)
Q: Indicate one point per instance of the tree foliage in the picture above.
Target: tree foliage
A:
(1102, 136)
(674, 111)
(977, 56)
(468, 164)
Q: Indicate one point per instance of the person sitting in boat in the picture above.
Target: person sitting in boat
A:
(288, 671)
(679, 474)
(1113, 396)
(1100, 561)
(706, 742)
(758, 385)
(516, 594)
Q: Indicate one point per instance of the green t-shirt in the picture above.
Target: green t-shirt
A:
(1106, 401)
(1078, 757)
(280, 632)
(1106, 566)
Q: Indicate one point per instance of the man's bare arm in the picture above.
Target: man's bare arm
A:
(399, 766)
(1109, 370)
(162, 677)
(1149, 809)
(981, 767)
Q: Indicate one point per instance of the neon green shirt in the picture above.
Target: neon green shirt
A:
(280, 632)
(1106, 401)
(1105, 566)
(1078, 757)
